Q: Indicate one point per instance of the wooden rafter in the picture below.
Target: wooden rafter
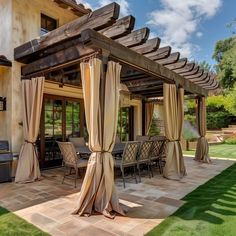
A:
(160, 53)
(143, 55)
(179, 64)
(173, 58)
(149, 46)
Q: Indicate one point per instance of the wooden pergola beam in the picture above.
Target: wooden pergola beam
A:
(137, 61)
(203, 76)
(146, 89)
(120, 28)
(160, 53)
(59, 58)
(188, 67)
(199, 74)
(192, 72)
(179, 64)
(135, 38)
(98, 19)
(173, 58)
(150, 45)
(145, 82)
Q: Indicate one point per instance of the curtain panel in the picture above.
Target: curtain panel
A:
(32, 97)
(173, 122)
(149, 110)
(202, 149)
(98, 191)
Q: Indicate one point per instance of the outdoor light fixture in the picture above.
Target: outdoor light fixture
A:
(2, 104)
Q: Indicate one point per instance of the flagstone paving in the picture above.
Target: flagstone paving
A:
(48, 203)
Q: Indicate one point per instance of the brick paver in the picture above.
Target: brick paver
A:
(48, 204)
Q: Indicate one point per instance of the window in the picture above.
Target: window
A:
(47, 24)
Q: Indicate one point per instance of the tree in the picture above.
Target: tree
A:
(225, 55)
(206, 66)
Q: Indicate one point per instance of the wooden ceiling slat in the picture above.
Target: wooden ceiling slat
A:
(160, 53)
(192, 72)
(200, 73)
(137, 61)
(150, 45)
(145, 89)
(135, 38)
(120, 28)
(188, 67)
(97, 20)
(179, 64)
(145, 82)
(174, 57)
(200, 78)
(204, 79)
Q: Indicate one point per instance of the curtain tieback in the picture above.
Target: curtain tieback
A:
(33, 143)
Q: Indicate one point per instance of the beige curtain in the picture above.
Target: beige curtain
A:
(173, 122)
(149, 109)
(32, 93)
(202, 150)
(98, 190)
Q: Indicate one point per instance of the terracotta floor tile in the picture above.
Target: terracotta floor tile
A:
(48, 203)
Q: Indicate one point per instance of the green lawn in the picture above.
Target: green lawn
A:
(12, 225)
(210, 210)
(220, 150)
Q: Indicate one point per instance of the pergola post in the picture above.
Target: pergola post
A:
(143, 117)
(173, 121)
(101, 84)
(202, 149)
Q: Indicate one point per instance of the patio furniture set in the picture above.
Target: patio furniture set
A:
(146, 151)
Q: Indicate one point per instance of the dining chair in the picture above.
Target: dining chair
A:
(156, 152)
(143, 157)
(77, 141)
(71, 160)
(129, 159)
(142, 138)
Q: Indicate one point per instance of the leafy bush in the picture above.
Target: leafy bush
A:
(218, 120)
(215, 103)
(230, 140)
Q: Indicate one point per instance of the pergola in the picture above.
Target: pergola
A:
(98, 42)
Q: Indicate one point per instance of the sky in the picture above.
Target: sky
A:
(191, 27)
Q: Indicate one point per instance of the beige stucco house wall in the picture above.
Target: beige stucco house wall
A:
(20, 22)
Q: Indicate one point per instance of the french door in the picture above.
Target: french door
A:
(125, 128)
(61, 118)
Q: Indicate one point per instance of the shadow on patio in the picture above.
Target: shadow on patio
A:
(48, 203)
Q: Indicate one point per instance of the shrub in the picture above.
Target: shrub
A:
(218, 120)
(230, 140)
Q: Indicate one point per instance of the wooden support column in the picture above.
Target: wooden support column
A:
(143, 117)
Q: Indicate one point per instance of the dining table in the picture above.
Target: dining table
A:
(84, 151)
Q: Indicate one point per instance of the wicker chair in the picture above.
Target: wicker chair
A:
(156, 152)
(71, 159)
(144, 156)
(128, 159)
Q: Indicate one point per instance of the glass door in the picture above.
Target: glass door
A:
(61, 118)
(125, 123)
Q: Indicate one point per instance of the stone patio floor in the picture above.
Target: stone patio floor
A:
(48, 203)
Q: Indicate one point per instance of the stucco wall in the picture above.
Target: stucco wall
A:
(20, 22)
